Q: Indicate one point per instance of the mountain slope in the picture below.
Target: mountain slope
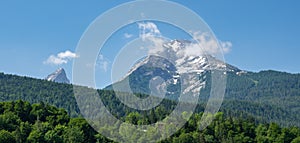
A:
(268, 96)
(13, 87)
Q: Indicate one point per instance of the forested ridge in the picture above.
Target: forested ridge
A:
(14, 87)
(21, 121)
(254, 105)
(268, 96)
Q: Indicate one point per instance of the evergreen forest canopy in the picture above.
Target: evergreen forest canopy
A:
(21, 122)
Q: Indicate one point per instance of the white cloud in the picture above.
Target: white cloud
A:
(226, 46)
(127, 35)
(148, 29)
(102, 63)
(156, 45)
(55, 60)
(207, 45)
(152, 37)
(61, 58)
(67, 55)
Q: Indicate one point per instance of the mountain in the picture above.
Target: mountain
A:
(171, 65)
(173, 55)
(269, 96)
(58, 76)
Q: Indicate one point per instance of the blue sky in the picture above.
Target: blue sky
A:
(264, 34)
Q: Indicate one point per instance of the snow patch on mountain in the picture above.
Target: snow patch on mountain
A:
(180, 70)
(175, 52)
(58, 76)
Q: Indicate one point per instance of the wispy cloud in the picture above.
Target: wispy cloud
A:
(103, 63)
(61, 58)
(148, 29)
(149, 32)
(206, 44)
(127, 35)
(226, 46)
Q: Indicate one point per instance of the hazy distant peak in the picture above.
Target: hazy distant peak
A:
(58, 76)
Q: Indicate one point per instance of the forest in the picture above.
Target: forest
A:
(21, 122)
(267, 96)
(258, 107)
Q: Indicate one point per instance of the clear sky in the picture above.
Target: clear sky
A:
(264, 34)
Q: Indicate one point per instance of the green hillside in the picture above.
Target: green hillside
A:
(268, 96)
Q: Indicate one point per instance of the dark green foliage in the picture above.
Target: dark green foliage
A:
(42, 123)
(6, 137)
(118, 109)
(34, 90)
(46, 129)
(229, 130)
(268, 96)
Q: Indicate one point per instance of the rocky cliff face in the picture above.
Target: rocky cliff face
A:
(192, 70)
(58, 76)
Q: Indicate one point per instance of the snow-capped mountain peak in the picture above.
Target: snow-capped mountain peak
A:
(174, 54)
(176, 45)
(58, 76)
(175, 67)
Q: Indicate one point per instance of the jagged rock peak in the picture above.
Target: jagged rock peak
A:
(58, 76)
